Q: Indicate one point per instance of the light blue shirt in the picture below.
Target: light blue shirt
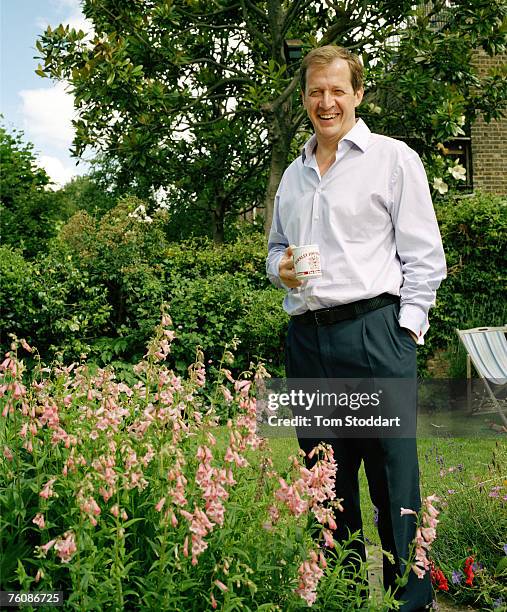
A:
(372, 216)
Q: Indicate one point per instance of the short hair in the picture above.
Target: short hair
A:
(325, 55)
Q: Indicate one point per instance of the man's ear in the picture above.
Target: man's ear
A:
(359, 96)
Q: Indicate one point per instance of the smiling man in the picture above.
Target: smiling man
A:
(364, 199)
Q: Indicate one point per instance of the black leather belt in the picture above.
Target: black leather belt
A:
(328, 316)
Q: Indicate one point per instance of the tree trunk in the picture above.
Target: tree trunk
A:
(217, 221)
(282, 130)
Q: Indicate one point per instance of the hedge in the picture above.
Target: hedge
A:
(99, 288)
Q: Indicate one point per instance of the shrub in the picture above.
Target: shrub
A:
(19, 307)
(51, 302)
(474, 234)
(124, 270)
(123, 267)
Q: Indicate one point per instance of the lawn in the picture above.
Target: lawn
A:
(468, 456)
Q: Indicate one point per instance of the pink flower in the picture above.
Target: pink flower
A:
(227, 394)
(39, 520)
(8, 453)
(47, 490)
(160, 504)
(46, 547)
(26, 346)
(221, 585)
(115, 511)
(328, 538)
(66, 548)
(310, 573)
(405, 511)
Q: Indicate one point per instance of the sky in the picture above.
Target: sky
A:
(41, 108)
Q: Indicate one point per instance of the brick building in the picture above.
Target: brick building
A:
(489, 141)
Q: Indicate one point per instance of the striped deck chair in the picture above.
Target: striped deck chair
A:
(486, 349)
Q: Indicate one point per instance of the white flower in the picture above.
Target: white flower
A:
(461, 120)
(440, 186)
(458, 172)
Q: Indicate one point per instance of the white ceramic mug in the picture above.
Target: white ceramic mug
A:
(307, 261)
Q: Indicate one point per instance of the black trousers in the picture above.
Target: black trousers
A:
(370, 346)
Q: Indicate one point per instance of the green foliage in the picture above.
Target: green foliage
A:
(222, 78)
(126, 497)
(87, 194)
(52, 302)
(99, 289)
(474, 233)
(28, 213)
(19, 304)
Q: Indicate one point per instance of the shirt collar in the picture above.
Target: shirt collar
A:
(358, 135)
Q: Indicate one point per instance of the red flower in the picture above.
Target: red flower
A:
(438, 578)
(468, 571)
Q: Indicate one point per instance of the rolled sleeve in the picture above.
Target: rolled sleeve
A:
(277, 243)
(418, 244)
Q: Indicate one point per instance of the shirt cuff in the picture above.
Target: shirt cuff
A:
(414, 318)
(273, 271)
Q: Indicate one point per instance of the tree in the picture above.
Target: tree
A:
(27, 211)
(86, 193)
(166, 67)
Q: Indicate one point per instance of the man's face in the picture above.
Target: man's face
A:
(330, 100)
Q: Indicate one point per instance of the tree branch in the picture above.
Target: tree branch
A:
(209, 90)
(254, 31)
(284, 95)
(235, 112)
(255, 9)
(208, 60)
(298, 7)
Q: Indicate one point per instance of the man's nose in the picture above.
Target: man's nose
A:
(327, 99)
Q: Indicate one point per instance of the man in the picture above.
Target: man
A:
(364, 199)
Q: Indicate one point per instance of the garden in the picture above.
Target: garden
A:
(138, 327)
